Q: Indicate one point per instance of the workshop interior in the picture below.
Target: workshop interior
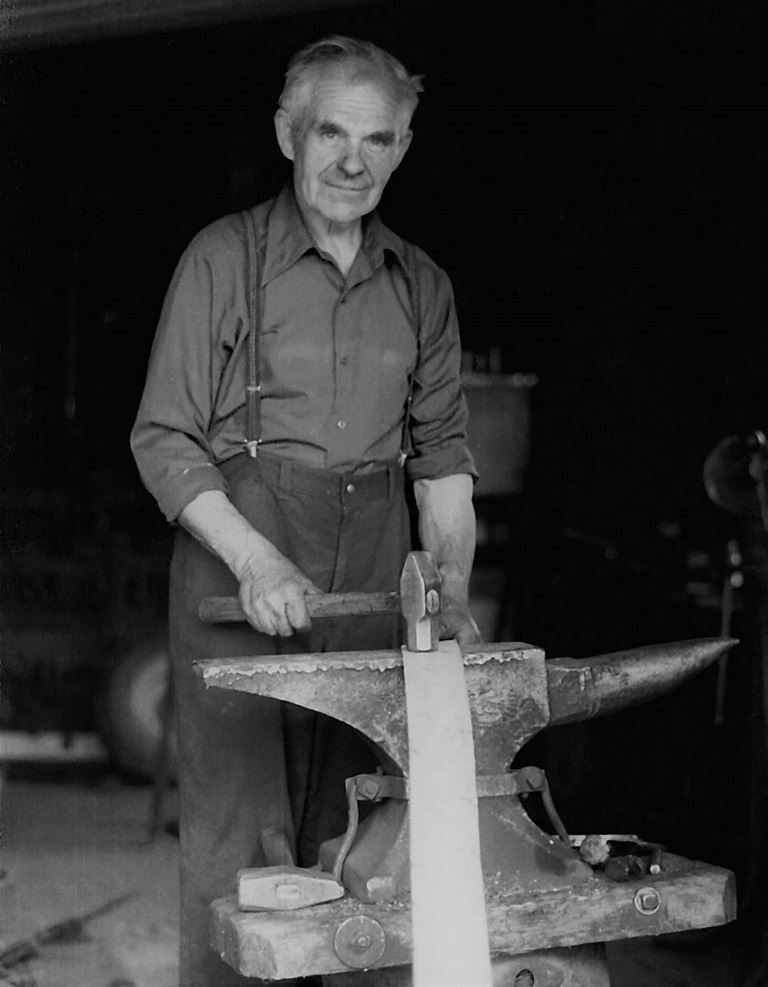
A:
(590, 175)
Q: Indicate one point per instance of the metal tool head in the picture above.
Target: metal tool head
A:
(420, 601)
(284, 888)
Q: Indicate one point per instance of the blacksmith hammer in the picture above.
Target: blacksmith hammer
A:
(418, 602)
(281, 885)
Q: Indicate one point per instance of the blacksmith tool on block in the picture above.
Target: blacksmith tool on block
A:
(281, 885)
(548, 913)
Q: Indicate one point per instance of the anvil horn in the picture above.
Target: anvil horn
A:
(580, 689)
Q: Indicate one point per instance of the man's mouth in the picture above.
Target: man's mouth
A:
(348, 188)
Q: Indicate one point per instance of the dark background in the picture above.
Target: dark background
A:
(591, 176)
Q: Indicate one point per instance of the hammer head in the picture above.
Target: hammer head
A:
(284, 888)
(420, 601)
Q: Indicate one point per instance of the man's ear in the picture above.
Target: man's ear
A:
(284, 131)
(404, 142)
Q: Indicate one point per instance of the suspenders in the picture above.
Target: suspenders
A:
(255, 269)
(412, 280)
(256, 247)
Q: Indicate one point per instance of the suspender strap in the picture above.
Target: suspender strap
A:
(254, 264)
(412, 279)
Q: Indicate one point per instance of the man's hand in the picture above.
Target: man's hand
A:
(447, 530)
(273, 596)
(272, 589)
(457, 623)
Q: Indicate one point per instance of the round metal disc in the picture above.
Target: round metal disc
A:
(359, 942)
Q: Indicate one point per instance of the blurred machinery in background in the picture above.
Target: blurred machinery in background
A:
(82, 623)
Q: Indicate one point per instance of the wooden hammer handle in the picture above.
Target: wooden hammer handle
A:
(227, 609)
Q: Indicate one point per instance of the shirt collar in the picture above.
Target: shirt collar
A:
(289, 239)
(378, 238)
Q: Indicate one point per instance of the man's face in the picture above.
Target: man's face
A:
(351, 139)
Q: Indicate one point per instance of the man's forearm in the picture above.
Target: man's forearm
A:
(447, 528)
(214, 521)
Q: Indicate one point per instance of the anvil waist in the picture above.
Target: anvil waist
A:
(247, 762)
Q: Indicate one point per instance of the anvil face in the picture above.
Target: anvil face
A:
(513, 693)
(506, 685)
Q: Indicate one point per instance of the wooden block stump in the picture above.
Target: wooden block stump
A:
(279, 945)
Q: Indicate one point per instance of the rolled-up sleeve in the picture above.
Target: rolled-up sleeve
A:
(439, 410)
(169, 439)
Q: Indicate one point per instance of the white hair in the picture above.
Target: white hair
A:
(356, 61)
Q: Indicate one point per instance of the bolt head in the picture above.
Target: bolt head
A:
(647, 901)
(369, 788)
(360, 942)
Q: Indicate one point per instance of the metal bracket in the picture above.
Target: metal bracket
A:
(377, 787)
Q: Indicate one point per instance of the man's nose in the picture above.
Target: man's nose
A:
(351, 161)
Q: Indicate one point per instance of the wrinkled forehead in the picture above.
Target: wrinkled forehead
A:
(373, 102)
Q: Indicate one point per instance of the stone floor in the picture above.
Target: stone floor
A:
(68, 848)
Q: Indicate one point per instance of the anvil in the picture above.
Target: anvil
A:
(548, 912)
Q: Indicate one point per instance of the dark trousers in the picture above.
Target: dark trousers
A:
(247, 762)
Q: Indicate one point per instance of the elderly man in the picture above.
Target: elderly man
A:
(304, 376)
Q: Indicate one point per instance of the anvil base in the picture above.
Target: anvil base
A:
(279, 945)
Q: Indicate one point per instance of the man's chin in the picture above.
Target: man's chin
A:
(337, 211)
(348, 211)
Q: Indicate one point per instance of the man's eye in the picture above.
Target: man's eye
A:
(380, 141)
(328, 133)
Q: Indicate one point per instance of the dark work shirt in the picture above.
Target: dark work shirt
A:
(335, 358)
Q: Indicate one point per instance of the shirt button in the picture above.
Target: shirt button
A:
(344, 361)
(341, 423)
(351, 488)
